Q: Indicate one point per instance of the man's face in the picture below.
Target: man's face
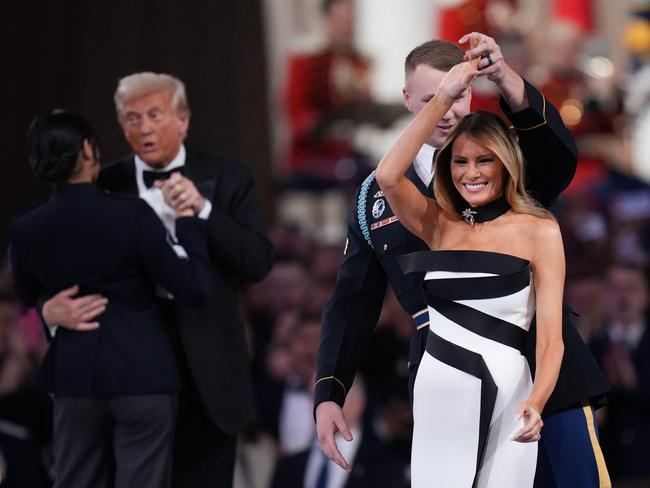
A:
(153, 129)
(421, 86)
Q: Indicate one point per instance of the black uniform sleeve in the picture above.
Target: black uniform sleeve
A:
(349, 317)
(187, 279)
(549, 147)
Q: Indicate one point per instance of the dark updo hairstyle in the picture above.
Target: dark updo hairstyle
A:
(54, 140)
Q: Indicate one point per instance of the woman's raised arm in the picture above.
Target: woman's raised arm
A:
(416, 212)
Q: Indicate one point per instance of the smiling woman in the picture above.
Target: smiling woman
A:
(479, 163)
(496, 259)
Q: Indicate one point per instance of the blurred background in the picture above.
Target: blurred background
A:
(310, 98)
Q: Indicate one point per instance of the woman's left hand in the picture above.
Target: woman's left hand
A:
(531, 431)
(458, 79)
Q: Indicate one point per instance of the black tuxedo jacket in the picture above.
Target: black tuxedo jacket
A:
(212, 337)
(115, 246)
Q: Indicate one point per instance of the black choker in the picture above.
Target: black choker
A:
(484, 213)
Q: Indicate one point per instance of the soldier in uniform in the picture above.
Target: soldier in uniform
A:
(569, 453)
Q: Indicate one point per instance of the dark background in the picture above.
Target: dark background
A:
(70, 54)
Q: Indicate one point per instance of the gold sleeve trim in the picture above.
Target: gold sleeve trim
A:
(417, 314)
(603, 474)
(332, 378)
(543, 115)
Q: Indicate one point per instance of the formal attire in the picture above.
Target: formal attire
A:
(287, 413)
(626, 427)
(473, 377)
(216, 400)
(106, 381)
(376, 238)
(373, 465)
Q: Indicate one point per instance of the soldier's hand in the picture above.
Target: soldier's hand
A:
(64, 310)
(329, 421)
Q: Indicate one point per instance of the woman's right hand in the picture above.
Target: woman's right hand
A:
(458, 79)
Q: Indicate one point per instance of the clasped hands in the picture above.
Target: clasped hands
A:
(181, 194)
(483, 58)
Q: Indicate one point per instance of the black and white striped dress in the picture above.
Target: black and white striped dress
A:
(473, 376)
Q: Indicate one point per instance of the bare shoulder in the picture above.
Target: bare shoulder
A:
(536, 227)
(545, 229)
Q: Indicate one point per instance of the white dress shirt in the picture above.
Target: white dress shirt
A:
(424, 163)
(296, 423)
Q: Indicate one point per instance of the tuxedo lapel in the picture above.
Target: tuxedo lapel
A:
(204, 183)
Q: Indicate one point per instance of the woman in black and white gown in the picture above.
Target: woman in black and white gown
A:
(497, 259)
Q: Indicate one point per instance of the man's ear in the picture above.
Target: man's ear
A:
(183, 124)
(87, 150)
(406, 98)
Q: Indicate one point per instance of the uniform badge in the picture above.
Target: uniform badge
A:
(379, 194)
(384, 222)
(378, 208)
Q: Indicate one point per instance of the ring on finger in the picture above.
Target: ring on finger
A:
(489, 59)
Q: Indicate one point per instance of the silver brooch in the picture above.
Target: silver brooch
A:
(468, 215)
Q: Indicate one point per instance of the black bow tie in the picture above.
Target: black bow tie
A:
(150, 176)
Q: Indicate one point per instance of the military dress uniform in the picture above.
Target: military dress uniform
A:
(376, 238)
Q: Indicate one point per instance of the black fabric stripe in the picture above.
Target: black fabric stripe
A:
(461, 261)
(480, 323)
(478, 287)
(473, 364)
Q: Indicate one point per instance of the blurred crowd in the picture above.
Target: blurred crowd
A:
(607, 286)
(604, 215)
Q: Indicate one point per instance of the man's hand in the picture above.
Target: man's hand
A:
(64, 310)
(492, 65)
(181, 194)
(329, 421)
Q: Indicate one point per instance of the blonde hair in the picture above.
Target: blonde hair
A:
(490, 131)
(140, 84)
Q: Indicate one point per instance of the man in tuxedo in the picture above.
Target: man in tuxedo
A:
(216, 399)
